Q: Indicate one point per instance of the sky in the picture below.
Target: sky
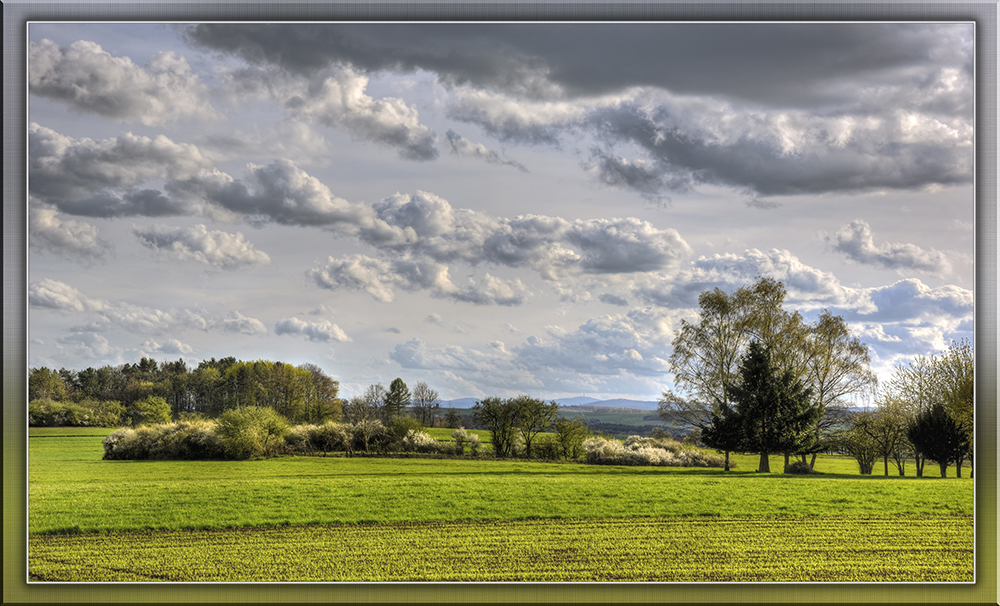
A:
(494, 209)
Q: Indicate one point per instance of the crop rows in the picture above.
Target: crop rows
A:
(696, 548)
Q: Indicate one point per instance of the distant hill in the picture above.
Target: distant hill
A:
(623, 403)
(567, 402)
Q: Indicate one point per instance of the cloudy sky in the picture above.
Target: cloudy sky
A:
(491, 208)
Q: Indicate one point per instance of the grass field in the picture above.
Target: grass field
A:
(463, 519)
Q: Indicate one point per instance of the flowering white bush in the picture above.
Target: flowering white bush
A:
(194, 439)
(637, 450)
(419, 441)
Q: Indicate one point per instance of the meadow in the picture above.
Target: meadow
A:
(367, 518)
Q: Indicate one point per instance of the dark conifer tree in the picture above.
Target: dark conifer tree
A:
(937, 436)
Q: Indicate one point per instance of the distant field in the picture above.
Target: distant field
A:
(170, 511)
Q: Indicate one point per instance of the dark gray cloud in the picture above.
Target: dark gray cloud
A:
(776, 64)
(855, 241)
(613, 300)
(650, 181)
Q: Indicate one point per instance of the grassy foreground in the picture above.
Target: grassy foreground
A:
(315, 518)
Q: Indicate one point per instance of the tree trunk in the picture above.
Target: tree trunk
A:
(972, 467)
(944, 469)
(727, 461)
(885, 463)
(812, 463)
(958, 466)
(765, 464)
(787, 455)
(919, 462)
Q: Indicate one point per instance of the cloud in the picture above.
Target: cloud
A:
(611, 299)
(52, 294)
(89, 79)
(380, 278)
(237, 323)
(336, 98)
(75, 240)
(59, 296)
(218, 249)
(170, 346)
(651, 182)
(323, 331)
(855, 242)
(90, 346)
(99, 178)
(463, 147)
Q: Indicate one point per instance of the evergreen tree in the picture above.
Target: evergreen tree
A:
(937, 436)
(396, 400)
(775, 407)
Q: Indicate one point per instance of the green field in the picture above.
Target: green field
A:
(336, 518)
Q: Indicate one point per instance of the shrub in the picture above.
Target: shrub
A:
(171, 441)
(251, 432)
(420, 441)
(300, 439)
(330, 436)
(799, 467)
(399, 428)
(637, 450)
(104, 413)
(548, 447)
(460, 436)
(366, 434)
(44, 412)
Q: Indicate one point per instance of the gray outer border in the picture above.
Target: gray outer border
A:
(18, 12)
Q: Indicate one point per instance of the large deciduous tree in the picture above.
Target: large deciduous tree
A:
(497, 416)
(937, 436)
(533, 417)
(426, 403)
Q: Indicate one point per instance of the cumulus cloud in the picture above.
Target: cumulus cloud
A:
(72, 239)
(170, 346)
(218, 249)
(52, 294)
(336, 98)
(90, 346)
(463, 147)
(101, 178)
(89, 79)
(855, 241)
(235, 322)
(380, 278)
(323, 331)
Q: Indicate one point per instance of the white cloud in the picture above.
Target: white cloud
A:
(380, 278)
(855, 242)
(218, 249)
(170, 346)
(72, 239)
(323, 331)
(52, 294)
(89, 79)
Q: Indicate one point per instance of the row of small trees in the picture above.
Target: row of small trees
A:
(924, 412)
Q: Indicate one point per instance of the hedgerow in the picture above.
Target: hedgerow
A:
(45, 412)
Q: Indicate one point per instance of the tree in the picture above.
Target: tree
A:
(571, 434)
(938, 437)
(858, 443)
(838, 365)
(46, 384)
(955, 369)
(148, 411)
(500, 418)
(533, 417)
(775, 408)
(425, 403)
(251, 432)
(886, 428)
(453, 418)
(323, 402)
(397, 399)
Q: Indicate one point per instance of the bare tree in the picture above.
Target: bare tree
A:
(425, 403)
